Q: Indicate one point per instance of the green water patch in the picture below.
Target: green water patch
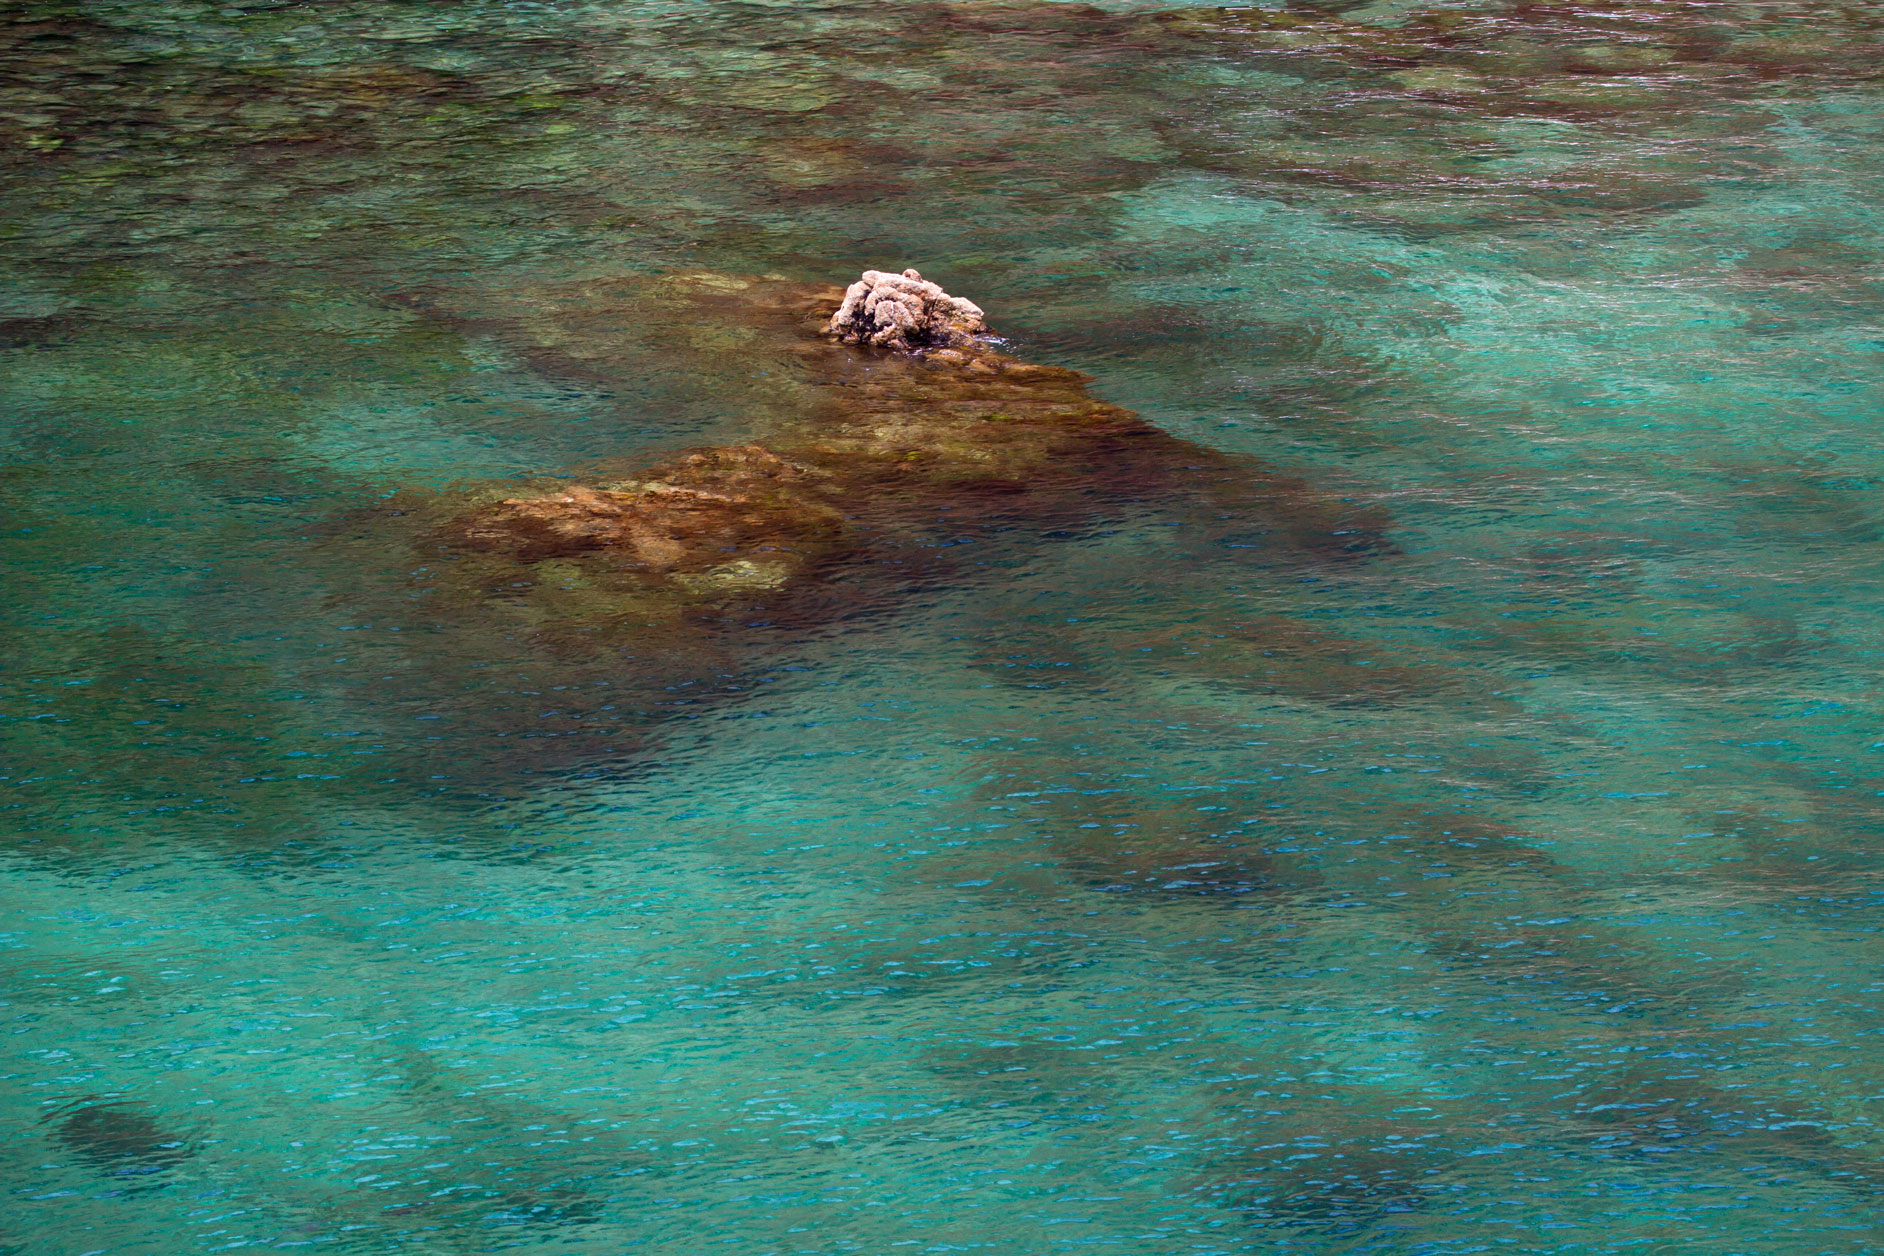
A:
(1139, 884)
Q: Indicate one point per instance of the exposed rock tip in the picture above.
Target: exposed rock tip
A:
(905, 312)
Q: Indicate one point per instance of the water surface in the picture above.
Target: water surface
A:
(1142, 886)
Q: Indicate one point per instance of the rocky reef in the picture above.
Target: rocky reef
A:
(905, 413)
(839, 480)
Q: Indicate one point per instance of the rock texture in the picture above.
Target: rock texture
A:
(714, 525)
(905, 312)
(566, 621)
(856, 459)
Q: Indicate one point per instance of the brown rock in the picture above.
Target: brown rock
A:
(862, 453)
(697, 512)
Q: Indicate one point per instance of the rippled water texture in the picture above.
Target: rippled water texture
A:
(1415, 791)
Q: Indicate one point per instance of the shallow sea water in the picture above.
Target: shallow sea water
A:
(1142, 887)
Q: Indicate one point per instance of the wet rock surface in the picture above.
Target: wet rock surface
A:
(905, 311)
(845, 482)
(876, 446)
(679, 514)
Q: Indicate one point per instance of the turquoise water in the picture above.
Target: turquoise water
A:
(1142, 886)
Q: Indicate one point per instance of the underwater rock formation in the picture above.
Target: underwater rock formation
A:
(847, 479)
(881, 445)
(119, 1137)
(906, 312)
(728, 499)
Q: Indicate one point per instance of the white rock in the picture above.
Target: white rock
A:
(904, 312)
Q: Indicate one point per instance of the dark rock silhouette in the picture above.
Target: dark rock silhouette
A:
(119, 1137)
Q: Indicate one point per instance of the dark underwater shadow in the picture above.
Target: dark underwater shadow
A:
(120, 1139)
(654, 590)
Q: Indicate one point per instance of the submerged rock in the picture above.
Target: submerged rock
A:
(865, 455)
(905, 312)
(119, 1137)
(638, 590)
(678, 517)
